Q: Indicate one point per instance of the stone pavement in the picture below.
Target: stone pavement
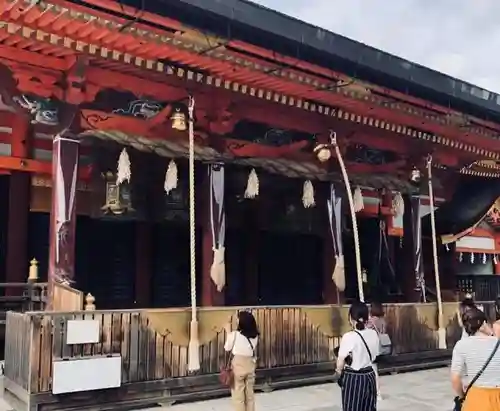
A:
(423, 390)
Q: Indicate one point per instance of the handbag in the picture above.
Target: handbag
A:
(385, 343)
(459, 401)
(226, 375)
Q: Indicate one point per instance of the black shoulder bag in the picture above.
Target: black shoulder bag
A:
(459, 401)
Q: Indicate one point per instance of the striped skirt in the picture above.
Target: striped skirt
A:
(359, 390)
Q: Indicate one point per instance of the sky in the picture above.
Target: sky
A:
(458, 37)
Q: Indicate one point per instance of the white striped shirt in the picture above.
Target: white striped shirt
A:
(469, 356)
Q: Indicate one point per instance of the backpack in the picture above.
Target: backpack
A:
(385, 347)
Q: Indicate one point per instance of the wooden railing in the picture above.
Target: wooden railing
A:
(66, 298)
(153, 343)
(18, 347)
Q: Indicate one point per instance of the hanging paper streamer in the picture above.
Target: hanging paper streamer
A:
(170, 177)
(472, 258)
(334, 205)
(308, 195)
(123, 170)
(460, 257)
(495, 260)
(418, 267)
(484, 258)
(218, 224)
(252, 189)
(398, 205)
(447, 247)
(358, 200)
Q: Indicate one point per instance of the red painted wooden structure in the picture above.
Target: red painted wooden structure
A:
(64, 54)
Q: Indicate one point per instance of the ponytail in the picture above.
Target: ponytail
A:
(360, 324)
(358, 313)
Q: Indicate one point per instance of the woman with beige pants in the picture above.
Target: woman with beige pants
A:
(242, 344)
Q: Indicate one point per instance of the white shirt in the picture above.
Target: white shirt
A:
(352, 344)
(238, 344)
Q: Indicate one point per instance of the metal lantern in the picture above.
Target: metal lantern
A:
(118, 196)
(178, 120)
(415, 175)
(323, 152)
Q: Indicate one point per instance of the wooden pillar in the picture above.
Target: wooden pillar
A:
(17, 258)
(143, 272)
(408, 283)
(65, 159)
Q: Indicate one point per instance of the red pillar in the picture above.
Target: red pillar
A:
(65, 158)
(19, 206)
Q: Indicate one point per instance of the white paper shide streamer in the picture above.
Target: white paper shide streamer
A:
(218, 225)
(338, 275)
(398, 205)
(252, 189)
(123, 172)
(171, 177)
(358, 200)
(308, 195)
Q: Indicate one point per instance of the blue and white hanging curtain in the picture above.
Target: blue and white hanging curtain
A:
(334, 204)
(218, 224)
(418, 267)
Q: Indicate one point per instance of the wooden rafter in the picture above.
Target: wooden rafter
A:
(228, 70)
(284, 64)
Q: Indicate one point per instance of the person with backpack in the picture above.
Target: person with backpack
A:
(377, 322)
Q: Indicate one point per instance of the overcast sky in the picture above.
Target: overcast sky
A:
(458, 37)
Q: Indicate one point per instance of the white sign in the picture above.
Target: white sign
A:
(82, 332)
(86, 374)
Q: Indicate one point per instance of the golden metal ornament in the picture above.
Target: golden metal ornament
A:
(118, 198)
(178, 120)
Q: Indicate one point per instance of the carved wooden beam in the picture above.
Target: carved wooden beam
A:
(8, 163)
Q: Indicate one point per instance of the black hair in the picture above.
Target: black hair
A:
(473, 319)
(247, 325)
(466, 304)
(377, 309)
(359, 313)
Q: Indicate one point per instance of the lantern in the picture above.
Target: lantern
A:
(118, 196)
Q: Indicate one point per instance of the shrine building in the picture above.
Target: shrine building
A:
(98, 97)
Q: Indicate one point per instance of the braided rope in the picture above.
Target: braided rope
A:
(442, 331)
(357, 250)
(194, 344)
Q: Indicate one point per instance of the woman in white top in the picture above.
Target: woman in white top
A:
(242, 344)
(469, 356)
(358, 349)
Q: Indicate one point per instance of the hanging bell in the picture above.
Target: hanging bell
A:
(178, 120)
